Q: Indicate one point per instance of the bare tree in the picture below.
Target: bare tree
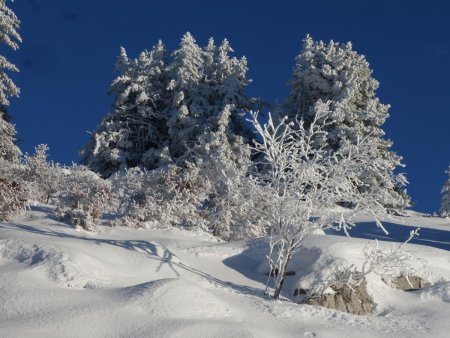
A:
(303, 183)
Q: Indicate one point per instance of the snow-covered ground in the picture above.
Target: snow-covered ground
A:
(56, 281)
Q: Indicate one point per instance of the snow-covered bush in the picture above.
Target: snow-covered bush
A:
(13, 192)
(302, 183)
(388, 263)
(83, 197)
(130, 186)
(164, 197)
(232, 207)
(334, 72)
(42, 175)
(31, 180)
(445, 201)
(8, 149)
(13, 199)
(189, 196)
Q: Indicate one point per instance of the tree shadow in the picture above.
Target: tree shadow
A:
(47, 213)
(164, 255)
(248, 261)
(253, 264)
(398, 233)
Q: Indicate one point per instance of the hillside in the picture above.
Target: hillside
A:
(58, 281)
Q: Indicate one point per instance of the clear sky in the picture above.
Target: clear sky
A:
(69, 48)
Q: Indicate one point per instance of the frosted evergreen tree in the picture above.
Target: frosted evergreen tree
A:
(335, 73)
(206, 125)
(9, 25)
(209, 100)
(188, 110)
(135, 131)
(186, 69)
(445, 202)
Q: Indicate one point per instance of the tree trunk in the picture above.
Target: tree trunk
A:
(281, 275)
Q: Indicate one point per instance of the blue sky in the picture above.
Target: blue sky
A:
(69, 48)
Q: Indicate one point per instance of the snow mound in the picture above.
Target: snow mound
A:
(56, 265)
(439, 291)
(176, 298)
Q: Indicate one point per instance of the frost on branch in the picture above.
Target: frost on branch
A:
(303, 181)
(232, 207)
(389, 263)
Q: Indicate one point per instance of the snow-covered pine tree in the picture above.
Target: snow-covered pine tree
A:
(206, 127)
(9, 24)
(209, 98)
(186, 73)
(334, 72)
(135, 131)
(445, 202)
(166, 113)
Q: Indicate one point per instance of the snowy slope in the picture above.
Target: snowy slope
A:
(56, 281)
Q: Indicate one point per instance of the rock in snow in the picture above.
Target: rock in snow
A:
(410, 283)
(354, 300)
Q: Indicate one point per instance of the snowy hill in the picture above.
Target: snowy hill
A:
(57, 281)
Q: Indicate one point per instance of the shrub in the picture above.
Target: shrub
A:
(13, 193)
(42, 175)
(165, 197)
(84, 197)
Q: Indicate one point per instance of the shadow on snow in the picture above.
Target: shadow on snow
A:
(165, 256)
(399, 233)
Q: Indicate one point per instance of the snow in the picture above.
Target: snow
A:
(59, 281)
(434, 230)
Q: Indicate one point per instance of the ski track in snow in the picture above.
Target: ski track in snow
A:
(57, 281)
